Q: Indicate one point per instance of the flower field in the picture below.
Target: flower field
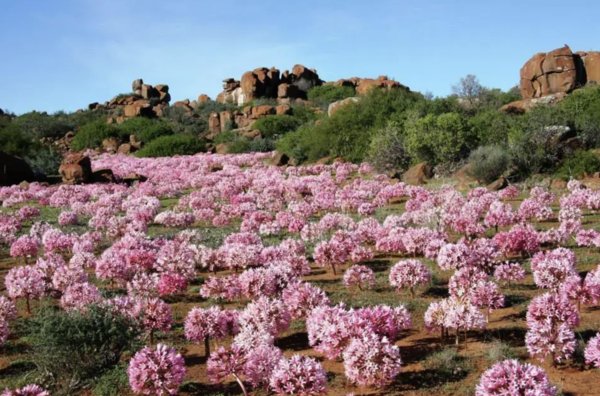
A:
(221, 275)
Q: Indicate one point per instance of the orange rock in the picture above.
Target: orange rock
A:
(418, 174)
(546, 74)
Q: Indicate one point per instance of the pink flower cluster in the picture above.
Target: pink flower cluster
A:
(156, 371)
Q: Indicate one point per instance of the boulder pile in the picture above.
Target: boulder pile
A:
(145, 100)
(547, 78)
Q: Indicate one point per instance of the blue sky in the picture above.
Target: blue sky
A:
(64, 54)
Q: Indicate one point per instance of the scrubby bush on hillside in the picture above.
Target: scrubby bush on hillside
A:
(71, 349)
(13, 141)
(182, 122)
(277, 125)
(39, 125)
(167, 146)
(581, 162)
(488, 163)
(326, 94)
(226, 137)
(44, 159)
(387, 152)
(145, 129)
(91, 135)
(438, 139)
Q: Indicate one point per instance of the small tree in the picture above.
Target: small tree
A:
(468, 88)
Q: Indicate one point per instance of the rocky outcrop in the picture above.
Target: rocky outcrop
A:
(269, 83)
(364, 85)
(14, 170)
(549, 73)
(145, 100)
(243, 120)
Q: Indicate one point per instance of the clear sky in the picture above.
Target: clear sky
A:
(64, 54)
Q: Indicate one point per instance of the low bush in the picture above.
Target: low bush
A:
(448, 364)
(168, 146)
(261, 145)
(13, 141)
(91, 135)
(581, 162)
(238, 146)
(488, 163)
(44, 159)
(326, 94)
(72, 349)
(113, 382)
(387, 152)
(145, 129)
(277, 125)
(499, 351)
(226, 137)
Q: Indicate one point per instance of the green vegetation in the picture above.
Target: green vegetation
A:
(91, 135)
(145, 129)
(277, 125)
(488, 163)
(167, 146)
(71, 349)
(326, 94)
(580, 163)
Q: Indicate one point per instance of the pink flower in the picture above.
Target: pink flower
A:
(260, 363)
(592, 351)
(79, 296)
(29, 390)
(513, 378)
(409, 273)
(156, 371)
(25, 247)
(509, 272)
(299, 375)
(371, 361)
(360, 276)
(301, 298)
(67, 218)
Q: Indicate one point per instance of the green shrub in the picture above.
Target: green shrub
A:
(304, 114)
(167, 146)
(305, 144)
(226, 137)
(239, 146)
(182, 122)
(71, 349)
(113, 382)
(261, 145)
(40, 125)
(13, 141)
(448, 364)
(386, 151)
(488, 163)
(91, 135)
(327, 94)
(277, 125)
(44, 159)
(145, 129)
(498, 351)
(438, 139)
(581, 162)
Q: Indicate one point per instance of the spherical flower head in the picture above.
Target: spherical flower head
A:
(154, 313)
(79, 296)
(66, 276)
(67, 218)
(509, 272)
(264, 313)
(300, 375)
(513, 378)
(409, 273)
(359, 275)
(592, 351)
(25, 282)
(302, 297)
(260, 363)
(371, 360)
(26, 246)
(202, 323)
(156, 371)
(223, 363)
